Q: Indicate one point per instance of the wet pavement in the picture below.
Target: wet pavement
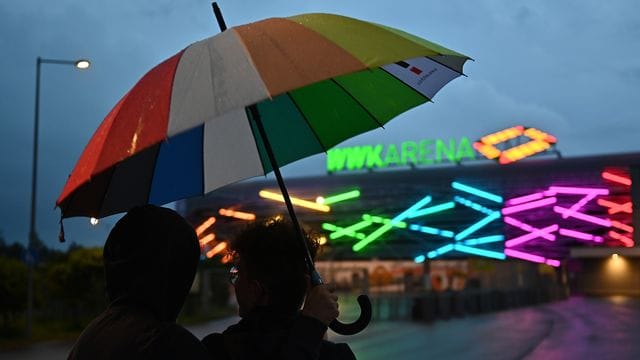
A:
(578, 328)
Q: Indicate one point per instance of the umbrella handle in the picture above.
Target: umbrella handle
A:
(358, 325)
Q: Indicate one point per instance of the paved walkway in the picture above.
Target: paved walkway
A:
(579, 328)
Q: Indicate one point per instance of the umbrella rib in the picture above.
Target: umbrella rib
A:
(445, 65)
(324, 148)
(358, 102)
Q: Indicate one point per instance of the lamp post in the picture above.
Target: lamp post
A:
(79, 64)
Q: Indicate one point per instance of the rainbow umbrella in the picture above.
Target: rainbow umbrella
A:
(185, 128)
(248, 100)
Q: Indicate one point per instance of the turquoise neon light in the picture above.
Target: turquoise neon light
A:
(381, 220)
(419, 259)
(431, 230)
(479, 252)
(473, 205)
(432, 210)
(479, 225)
(341, 197)
(440, 251)
(473, 191)
(485, 240)
(386, 227)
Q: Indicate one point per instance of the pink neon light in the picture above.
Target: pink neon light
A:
(623, 239)
(621, 226)
(577, 206)
(530, 257)
(528, 228)
(584, 217)
(615, 207)
(551, 262)
(530, 205)
(581, 235)
(578, 190)
(528, 237)
(525, 198)
(616, 178)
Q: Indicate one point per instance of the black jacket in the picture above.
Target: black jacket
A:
(271, 334)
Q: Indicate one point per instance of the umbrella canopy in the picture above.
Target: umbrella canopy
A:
(316, 79)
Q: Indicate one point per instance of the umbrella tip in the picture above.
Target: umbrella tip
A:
(61, 237)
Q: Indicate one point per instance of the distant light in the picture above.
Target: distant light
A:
(93, 221)
(322, 240)
(205, 225)
(295, 201)
(216, 250)
(83, 64)
(320, 200)
(419, 259)
(615, 256)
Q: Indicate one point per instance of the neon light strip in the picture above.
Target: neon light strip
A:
(477, 226)
(525, 198)
(386, 227)
(528, 228)
(477, 192)
(440, 251)
(473, 205)
(580, 235)
(616, 178)
(419, 259)
(381, 220)
(522, 151)
(528, 206)
(432, 231)
(577, 206)
(623, 239)
(205, 225)
(615, 207)
(530, 236)
(349, 231)
(536, 134)
(484, 240)
(206, 240)
(577, 190)
(503, 135)
(479, 252)
(621, 226)
(340, 197)
(489, 151)
(217, 249)
(295, 201)
(584, 217)
(432, 210)
(530, 257)
(237, 214)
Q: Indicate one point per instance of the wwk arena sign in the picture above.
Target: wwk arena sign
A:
(505, 146)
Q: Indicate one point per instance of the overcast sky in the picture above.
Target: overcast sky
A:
(567, 67)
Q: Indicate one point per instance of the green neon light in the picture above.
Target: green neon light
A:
(386, 227)
(348, 231)
(473, 191)
(381, 220)
(432, 210)
(423, 152)
(341, 197)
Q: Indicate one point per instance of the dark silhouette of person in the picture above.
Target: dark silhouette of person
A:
(270, 281)
(150, 260)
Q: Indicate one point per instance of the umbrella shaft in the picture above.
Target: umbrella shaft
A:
(316, 279)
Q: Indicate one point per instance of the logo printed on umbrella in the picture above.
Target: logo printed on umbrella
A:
(411, 68)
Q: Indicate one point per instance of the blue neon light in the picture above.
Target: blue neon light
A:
(477, 192)
(484, 240)
(431, 230)
(432, 210)
(477, 226)
(480, 252)
(473, 205)
(419, 259)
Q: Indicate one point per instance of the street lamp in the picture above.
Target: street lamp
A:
(79, 64)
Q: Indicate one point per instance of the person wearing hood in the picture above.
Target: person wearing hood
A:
(150, 261)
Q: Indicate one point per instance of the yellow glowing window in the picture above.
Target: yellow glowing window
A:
(539, 141)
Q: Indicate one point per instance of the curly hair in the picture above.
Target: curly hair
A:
(271, 253)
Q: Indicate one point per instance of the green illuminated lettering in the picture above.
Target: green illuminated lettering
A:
(336, 159)
(357, 156)
(465, 150)
(374, 157)
(408, 150)
(392, 156)
(425, 151)
(448, 151)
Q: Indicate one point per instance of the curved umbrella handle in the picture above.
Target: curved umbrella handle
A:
(358, 325)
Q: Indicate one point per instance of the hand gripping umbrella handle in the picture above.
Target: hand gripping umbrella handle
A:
(356, 326)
